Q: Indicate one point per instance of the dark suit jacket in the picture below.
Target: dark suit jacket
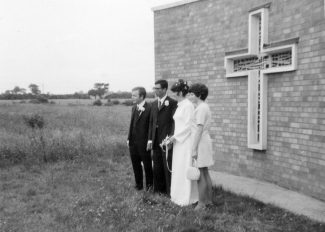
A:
(139, 125)
(161, 121)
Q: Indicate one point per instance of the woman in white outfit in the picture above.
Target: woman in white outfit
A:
(183, 191)
(202, 145)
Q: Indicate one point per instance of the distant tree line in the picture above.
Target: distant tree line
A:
(100, 90)
(25, 96)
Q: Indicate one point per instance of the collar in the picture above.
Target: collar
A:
(182, 102)
(162, 99)
(141, 104)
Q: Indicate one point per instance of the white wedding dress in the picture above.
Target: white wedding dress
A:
(183, 191)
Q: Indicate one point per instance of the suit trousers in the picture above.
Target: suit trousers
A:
(139, 155)
(162, 176)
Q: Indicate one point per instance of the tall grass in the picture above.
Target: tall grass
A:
(94, 192)
(68, 132)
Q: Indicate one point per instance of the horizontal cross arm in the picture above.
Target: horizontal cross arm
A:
(281, 43)
(237, 52)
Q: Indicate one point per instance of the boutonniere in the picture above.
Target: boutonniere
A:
(166, 103)
(141, 109)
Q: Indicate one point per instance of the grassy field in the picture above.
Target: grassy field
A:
(87, 182)
(70, 102)
(64, 102)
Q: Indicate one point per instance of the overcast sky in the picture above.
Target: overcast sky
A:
(65, 46)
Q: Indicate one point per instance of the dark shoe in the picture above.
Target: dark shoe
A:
(195, 204)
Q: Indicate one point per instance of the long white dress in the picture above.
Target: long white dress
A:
(183, 191)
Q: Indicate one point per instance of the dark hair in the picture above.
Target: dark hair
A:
(162, 83)
(141, 90)
(199, 90)
(180, 87)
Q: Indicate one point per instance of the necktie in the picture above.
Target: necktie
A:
(159, 104)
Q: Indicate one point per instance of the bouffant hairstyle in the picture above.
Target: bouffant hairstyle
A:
(199, 90)
(180, 87)
(162, 83)
(141, 90)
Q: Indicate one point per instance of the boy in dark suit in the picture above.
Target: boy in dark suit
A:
(161, 124)
(138, 137)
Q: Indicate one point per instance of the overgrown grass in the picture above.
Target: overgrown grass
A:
(68, 133)
(94, 190)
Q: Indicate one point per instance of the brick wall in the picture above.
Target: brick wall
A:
(190, 43)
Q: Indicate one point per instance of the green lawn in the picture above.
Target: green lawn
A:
(91, 188)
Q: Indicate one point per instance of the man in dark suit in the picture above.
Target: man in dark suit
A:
(161, 124)
(138, 137)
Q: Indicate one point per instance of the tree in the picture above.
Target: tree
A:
(100, 89)
(22, 91)
(92, 92)
(18, 90)
(34, 89)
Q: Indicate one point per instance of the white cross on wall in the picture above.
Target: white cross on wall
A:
(260, 59)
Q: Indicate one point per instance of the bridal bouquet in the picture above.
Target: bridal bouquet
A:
(166, 144)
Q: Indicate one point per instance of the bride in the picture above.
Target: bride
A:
(183, 191)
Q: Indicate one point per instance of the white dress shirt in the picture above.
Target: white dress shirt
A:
(162, 100)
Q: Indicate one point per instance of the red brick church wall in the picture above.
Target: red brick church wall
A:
(190, 43)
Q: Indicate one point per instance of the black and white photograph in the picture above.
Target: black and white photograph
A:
(162, 115)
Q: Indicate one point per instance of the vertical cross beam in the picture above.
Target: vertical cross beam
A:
(260, 59)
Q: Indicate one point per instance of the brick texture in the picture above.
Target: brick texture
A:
(190, 43)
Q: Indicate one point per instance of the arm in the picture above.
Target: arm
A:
(130, 127)
(173, 112)
(200, 120)
(197, 137)
(183, 134)
(149, 143)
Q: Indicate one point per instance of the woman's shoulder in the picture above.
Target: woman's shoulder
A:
(189, 103)
(186, 105)
(203, 106)
(203, 109)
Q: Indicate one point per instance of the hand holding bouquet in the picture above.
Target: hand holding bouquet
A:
(167, 143)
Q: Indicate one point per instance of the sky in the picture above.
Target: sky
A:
(65, 46)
